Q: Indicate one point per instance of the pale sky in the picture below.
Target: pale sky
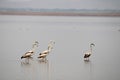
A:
(62, 4)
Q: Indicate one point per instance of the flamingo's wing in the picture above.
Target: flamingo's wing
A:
(28, 53)
(43, 55)
(44, 52)
(87, 54)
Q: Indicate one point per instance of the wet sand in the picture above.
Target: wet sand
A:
(60, 13)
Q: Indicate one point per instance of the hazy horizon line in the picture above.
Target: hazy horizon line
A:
(58, 9)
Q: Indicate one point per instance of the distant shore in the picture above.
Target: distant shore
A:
(57, 13)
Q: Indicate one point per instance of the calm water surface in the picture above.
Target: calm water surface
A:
(72, 36)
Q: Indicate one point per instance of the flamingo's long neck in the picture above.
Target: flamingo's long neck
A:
(91, 49)
(49, 48)
(33, 48)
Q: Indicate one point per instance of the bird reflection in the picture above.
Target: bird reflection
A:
(26, 61)
(87, 61)
(44, 69)
(88, 69)
(28, 69)
(43, 60)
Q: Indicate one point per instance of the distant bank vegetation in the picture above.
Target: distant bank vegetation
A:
(59, 12)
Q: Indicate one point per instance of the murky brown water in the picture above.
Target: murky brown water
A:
(72, 36)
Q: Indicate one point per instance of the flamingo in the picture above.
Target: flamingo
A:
(31, 52)
(88, 53)
(43, 54)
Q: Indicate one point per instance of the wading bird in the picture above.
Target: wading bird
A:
(88, 53)
(43, 54)
(31, 52)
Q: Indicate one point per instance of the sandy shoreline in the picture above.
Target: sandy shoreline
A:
(57, 13)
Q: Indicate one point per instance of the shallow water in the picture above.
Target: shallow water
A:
(72, 36)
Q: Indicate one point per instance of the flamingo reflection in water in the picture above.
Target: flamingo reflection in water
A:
(44, 70)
